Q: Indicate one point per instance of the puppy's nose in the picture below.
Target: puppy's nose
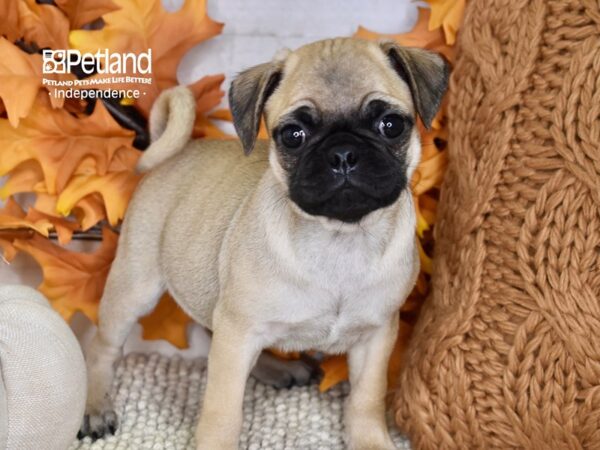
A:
(342, 160)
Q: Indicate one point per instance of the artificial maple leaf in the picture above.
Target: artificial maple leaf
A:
(26, 177)
(395, 362)
(60, 141)
(88, 211)
(140, 25)
(82, 12)
(335, 368)
(72, 281)
(429, 173)
(115, 188)
(428, 205)
(9, 25)
(45, 25)
(12, 225)
(168, 322)
(447, 14)
(21, 80)
(420, 36)
(64, 228)
(208, 95)
(125, 158)
(207, 92)
(12, 217)
(205, 126)
(225, 116)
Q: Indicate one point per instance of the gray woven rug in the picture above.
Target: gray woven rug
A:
(157, 399)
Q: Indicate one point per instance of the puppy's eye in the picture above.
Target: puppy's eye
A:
(293, 136)
(391, 126)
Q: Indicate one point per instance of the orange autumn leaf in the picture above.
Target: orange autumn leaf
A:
(88, 211)
(221, 114)
(395, 363)
(422, 224)
(82, 12)
(125, 158)
(429, 173)
(12, 217)
(20, 81)
(11, 208)
(140, 25)
(9, 25)
(64, 228)
(59, 142)
(426, 262)
(72, 281)
(420, 36)
(115, 188)
(447, 14)
(428, 206)
(335, 370)
(225, 116)
(208, 94)
(12, 222)
(206, 126)
(168, 322)
(45, 25)
(26, 177)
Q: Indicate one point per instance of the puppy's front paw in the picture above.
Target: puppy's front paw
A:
(369, 435)
(371, 443)
(99, 425)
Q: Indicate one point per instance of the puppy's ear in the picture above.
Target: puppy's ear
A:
(248, 94)
(426, 74)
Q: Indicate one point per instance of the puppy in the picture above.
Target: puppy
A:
(307, 242)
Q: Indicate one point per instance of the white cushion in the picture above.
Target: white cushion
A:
(42, 370)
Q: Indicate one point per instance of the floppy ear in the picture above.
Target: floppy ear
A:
(248, 94)
(426, 74)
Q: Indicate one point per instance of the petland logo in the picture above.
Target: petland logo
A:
(101, 75)
(103, 62)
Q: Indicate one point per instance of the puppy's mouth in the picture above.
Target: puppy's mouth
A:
(349, 198)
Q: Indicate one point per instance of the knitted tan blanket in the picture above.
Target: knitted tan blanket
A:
(507, 350)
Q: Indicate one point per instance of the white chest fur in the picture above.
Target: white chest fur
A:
(325, 288)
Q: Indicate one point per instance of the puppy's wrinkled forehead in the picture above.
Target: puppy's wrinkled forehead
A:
(335, 76)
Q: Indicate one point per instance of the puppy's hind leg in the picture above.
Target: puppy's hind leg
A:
(132, 290)
(281, 373)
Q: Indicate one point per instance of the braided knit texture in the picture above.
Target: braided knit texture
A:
(506, 353)
(158, 400)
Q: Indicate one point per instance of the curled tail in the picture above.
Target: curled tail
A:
(171, 123)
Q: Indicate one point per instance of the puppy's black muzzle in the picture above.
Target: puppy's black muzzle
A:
(345, 177)
(342, 160)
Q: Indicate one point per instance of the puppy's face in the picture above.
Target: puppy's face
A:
(341, 114)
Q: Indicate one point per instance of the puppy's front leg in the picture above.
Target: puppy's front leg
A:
(231, 357)
(366, 426)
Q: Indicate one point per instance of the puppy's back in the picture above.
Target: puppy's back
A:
(187, 204)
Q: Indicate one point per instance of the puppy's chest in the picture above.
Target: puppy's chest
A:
(339, 301)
